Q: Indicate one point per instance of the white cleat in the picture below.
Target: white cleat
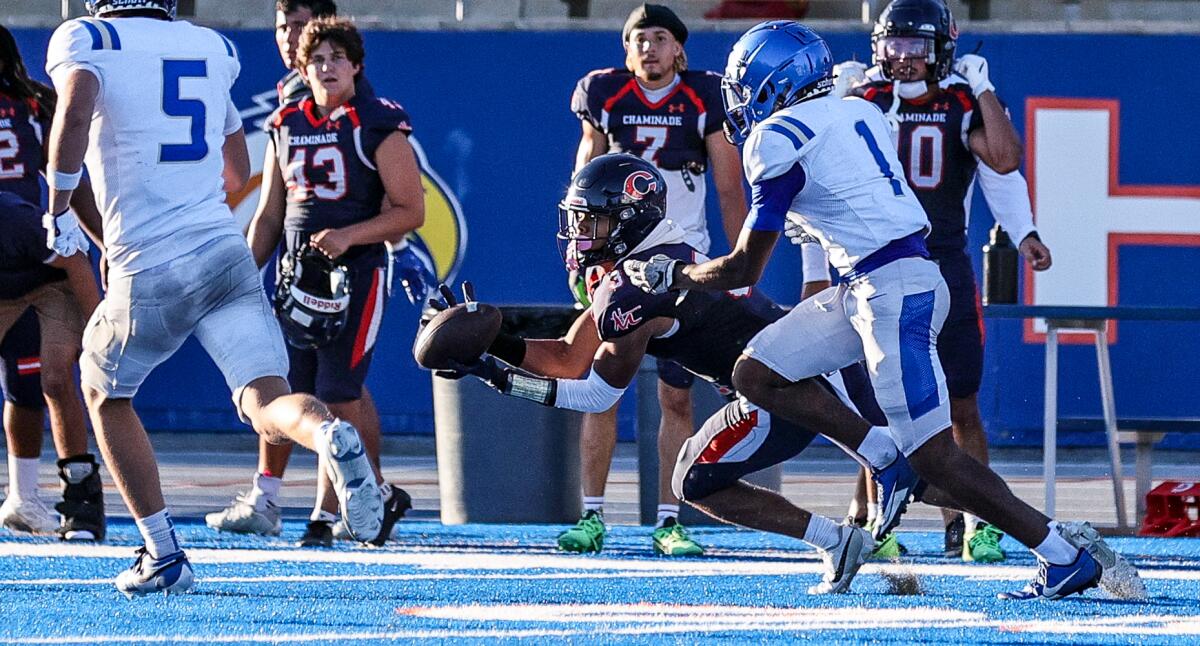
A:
(1120, 578)
(842, 562)
(358, 495)
(242, 517)
(28, 515)
(171, 574)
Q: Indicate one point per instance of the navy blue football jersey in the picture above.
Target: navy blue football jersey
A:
(669, 133)
(328, 163)
(713, 327)
(23, 250)
(22, 157)
(937, 158)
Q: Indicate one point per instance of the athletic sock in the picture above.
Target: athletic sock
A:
(22, 477)
(970, 523)
(320, 515)
(159, 533)
(872, 509)
(266, 490)
(667, 512)
(878, 448)
(1055, 549)
(593, 503)
(822, 533)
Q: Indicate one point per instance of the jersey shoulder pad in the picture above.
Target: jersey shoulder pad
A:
(877, 92)
(384, 115)
(593, 90)
(80, 41)
(619, 307)
(773, 147)
(707, 86)
(280, 116)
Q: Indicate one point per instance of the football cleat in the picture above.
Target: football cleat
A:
(396, 503)
(242, 517)
(672, 540)
(843, 561)
(28, 515)
(897, 484)
(954, 538)
(317, 533)
(171, 574)
(1120, 578)
(82, 506)
(353, 479)
(889, 548)
(1055, 582)
(983, 545)
(586, 536)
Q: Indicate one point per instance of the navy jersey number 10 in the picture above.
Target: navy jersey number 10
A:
(191, 109)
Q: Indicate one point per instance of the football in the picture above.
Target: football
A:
(459, 333)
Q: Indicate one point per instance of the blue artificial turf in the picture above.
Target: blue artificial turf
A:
(489, 583)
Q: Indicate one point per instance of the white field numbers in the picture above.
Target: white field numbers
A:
(654, 137)
(925, 139)
(329, 157)
(10, 147)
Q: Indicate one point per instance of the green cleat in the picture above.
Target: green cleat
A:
(983, 546)
(672, 540)
(889, 548)
(586, 536)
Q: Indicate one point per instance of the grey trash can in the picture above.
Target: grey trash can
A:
(502, 459)
(705, 401)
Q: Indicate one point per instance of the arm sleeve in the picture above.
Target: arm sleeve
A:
(771, 161)
(1008, 198)
(73, 46)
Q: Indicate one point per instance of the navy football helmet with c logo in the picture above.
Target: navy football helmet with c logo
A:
(312, 298)
(101, 8)
(613, 203)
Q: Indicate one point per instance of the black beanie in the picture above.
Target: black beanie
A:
(655, 15)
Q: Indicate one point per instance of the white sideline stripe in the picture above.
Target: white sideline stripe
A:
(445, 563)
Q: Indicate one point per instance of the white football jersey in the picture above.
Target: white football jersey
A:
(837, 153)
(160, 121)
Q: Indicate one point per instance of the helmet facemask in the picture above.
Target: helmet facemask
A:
(583, 236)
(102, 8)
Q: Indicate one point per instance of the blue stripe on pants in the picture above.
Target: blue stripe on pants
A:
(917, 354)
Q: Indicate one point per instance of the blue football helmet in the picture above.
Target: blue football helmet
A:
(775, 64)
(101, 8)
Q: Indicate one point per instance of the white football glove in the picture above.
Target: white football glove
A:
(653, 276)
(974, 68)
(846, 76)
(796, 234)
(63, 234)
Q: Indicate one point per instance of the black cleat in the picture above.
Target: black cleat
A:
(317, 533)
(82, 506)
(395, 505)
(954, 538)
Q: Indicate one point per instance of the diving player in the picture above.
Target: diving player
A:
(951, 128)
(658, 109)
(614, 209)
(826, 163)
(178, 264)
(39, 353)
(332, 159)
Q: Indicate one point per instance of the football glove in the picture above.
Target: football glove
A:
(653, 276)
(63, 234)
(846, 76)
(415, 274)
(974, 68)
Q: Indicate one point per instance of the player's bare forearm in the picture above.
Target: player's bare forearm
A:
(266, 226)
(592, 144)
(83, 202)
(565, 358)
(69, 131)
(727, 176)
(813, 287)
(998, 146)
(237, 162)
(742, 267)
(617, 361)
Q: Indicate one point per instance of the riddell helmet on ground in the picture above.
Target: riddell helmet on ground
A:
(619, 198)
(927, 19)
(101, 8)
(775, 64)
(312, 299)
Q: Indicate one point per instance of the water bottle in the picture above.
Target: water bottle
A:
(999, 269)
